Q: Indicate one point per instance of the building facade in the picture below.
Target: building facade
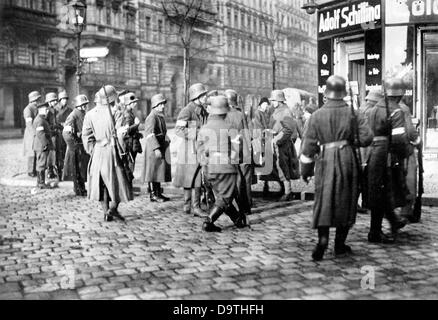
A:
(231, 45)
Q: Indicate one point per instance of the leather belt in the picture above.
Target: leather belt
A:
(102, 143)
(336, 144)
(380, 138)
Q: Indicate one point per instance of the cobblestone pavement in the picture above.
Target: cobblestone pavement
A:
(56, 246)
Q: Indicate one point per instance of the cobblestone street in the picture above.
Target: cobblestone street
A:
(56, 246)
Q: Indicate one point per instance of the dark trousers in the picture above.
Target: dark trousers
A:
(107, 203)
(340, 238)
(31, 164)
(244, 183)
(42, 160)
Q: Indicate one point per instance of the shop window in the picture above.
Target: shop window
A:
(399, 60)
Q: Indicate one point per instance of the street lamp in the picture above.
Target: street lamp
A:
(310, 6)
(77, 16)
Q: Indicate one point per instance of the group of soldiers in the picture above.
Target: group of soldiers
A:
(222, 151)
(363, 151)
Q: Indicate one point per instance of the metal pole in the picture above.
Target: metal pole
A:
(78, 63)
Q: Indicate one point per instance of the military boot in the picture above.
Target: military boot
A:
(236, 217)
(208, 224)
(41, 180)
(340, 246)
(154, 197)
(159, 191)
(51, 173)
(187, 201)
(196, 203)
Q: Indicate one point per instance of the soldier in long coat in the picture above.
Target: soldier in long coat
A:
(219, 151)
(107, 182)
(157, 166)
(238, 121)
(329, 140)
(29, 114)
(190, 120)
(42, 144)
(76, 159)
(62, 114)
(386, 187)
(286, 131)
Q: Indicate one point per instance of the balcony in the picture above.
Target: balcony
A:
(21, 73)
(120, 81)
(25, 18)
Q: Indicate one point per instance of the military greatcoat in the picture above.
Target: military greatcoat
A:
(76, 159)
(336, 169)
(189, 122)
(215, 139)
(154, 169)
(29, 114)
(42, 142)
(102, 169)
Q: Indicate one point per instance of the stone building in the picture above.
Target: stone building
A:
(229, 47)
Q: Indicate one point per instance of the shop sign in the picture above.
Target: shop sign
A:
(358, 15)
(373, 59)
(411, 11)
(324, 65)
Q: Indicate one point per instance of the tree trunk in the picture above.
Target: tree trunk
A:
(186, 71)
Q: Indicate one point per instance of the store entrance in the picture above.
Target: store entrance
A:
(430, 90)
(350, 62)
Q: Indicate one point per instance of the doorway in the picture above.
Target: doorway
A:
(429, 86)
(350, 61)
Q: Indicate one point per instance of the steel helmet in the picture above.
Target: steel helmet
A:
(51, 96)
(110, 96)
(336, 88)
(219, 105)
(278, 95)
(129, 98)
(34, 96)
(394, 87)
(80, 100)
(62, 95)
(374, 95)
(197, 90)
(158, 99)
(231, 96)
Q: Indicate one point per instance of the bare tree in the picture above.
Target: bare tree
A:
(273, 29)
(185, 15)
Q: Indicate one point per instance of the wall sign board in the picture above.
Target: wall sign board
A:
(411, 11)
(325, 66)
(373, 59)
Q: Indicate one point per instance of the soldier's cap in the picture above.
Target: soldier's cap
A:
(51, 96)
(34, 96)
(128, 98)
(219, 105)
(278, 95)
(374, 95)
(62, 95)
(158, 99)
(41, 105)
(80, 100)
(196, 91)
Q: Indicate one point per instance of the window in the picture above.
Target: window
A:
(52, 57)
(108, 16)
(148, 71)
(11, 55)
(133, 71)
(33, 56)
(160, 31)
(148, 28)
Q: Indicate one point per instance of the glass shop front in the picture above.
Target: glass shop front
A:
(367, 41)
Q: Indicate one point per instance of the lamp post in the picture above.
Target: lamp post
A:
(310, 6)
(77, 16)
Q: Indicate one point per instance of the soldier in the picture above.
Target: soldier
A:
(238, 121)
(285, 130)
(188, 124)
(387, 188)
(129, 125)
(76, 159)
(157, 167)
(56, 132)
(42, 144)
(29, 114)
(62, 114)
(260, 125)
(107, 181)
(329, 139)
(214, 142)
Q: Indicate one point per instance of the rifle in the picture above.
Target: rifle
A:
(119, 154)
(416, 214)
(356, 142)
